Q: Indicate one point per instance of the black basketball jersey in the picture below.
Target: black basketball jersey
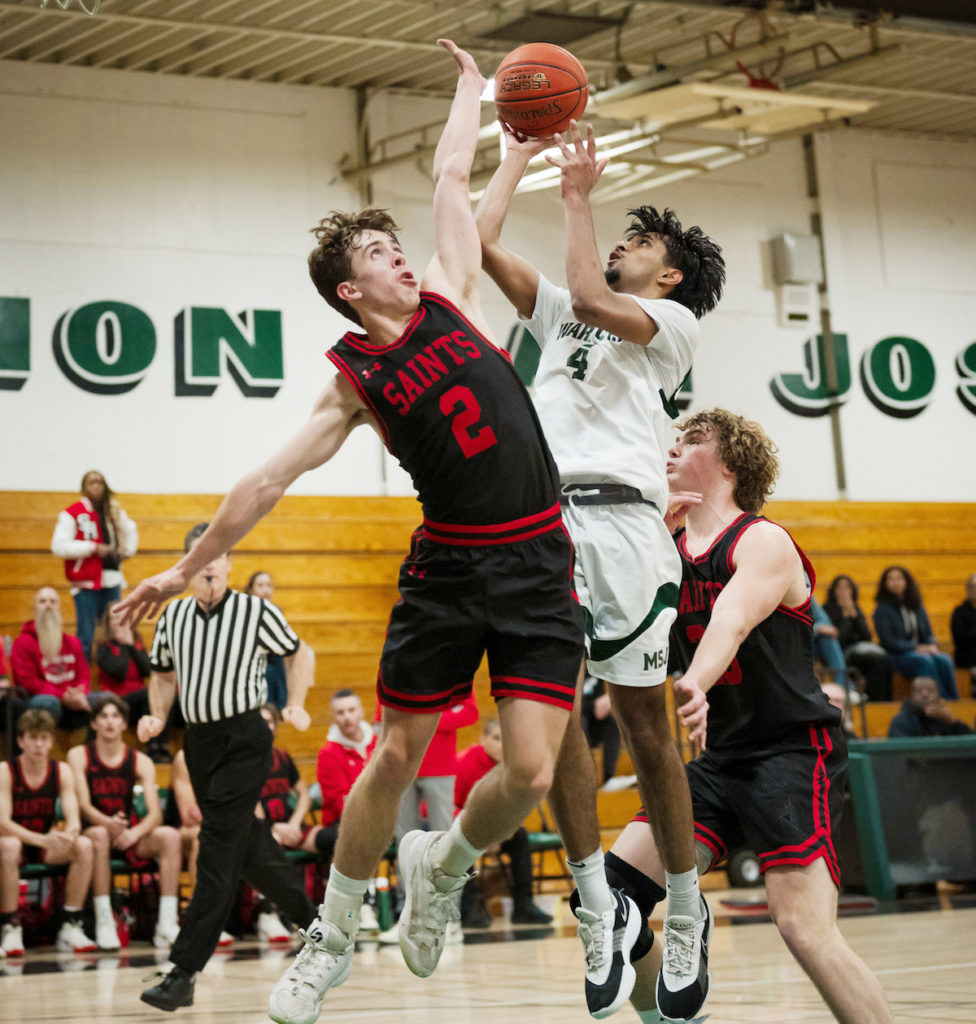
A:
(281, 778)
(34, 808)
(770, 687)
(111, 788)
(452, 410)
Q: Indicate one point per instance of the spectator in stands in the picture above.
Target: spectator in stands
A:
(925, 713)
(599, 725)
(123, 669)
(93, 536)
(282, 787)
(30, 786)
(262, 585)
(349, 744)
(50, 664)
(433, 788)
(826, 648)
(963, 626)
(903, 627)
(854, 637)
(472, 764)
(107, 773)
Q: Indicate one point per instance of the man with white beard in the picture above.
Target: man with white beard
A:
(50, 664)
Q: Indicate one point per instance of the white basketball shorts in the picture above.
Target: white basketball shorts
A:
(627, 579)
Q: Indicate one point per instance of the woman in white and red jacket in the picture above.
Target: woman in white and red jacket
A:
(93, 536)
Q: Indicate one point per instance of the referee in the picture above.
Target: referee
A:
(214, 645)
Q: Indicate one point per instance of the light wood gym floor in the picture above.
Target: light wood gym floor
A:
(926, 961)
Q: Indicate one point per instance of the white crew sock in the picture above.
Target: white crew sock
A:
(452, 853)
(590, 877)
(103, 908)
(343, 901)
(167, 910)
(684, 897)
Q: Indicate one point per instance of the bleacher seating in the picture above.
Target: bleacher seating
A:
(335, 561)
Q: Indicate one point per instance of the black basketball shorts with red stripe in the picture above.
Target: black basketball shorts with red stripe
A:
(783, 800)
(467, 595)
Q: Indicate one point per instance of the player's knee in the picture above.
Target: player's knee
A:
(98, 835)
(528, 776)
(392, 764)
(644, 891)
(10, 849)
(801, 928)
(704, 858)
(168, 840)
(82, 852)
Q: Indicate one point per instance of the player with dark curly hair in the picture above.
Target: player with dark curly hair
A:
(616, 347)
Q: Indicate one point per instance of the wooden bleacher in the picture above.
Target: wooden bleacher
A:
(335, 561)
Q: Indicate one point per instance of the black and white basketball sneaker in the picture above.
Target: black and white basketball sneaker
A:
(682, 985)
(607, 941)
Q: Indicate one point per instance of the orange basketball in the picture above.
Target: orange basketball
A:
(540, 88)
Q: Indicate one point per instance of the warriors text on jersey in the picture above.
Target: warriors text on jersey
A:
(111, 786)
(770, 685)
(604, 402)
(452, 410)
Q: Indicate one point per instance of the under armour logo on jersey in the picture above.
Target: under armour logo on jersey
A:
(369, 371)
(414, 571)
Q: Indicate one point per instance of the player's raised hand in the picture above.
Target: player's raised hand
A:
(693, 709)
(531, 145)
(465, 62)
(146, 599)
(581, 167)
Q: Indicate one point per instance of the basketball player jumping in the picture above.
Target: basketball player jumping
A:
(491, 572)
(616, 347)
(772, 776)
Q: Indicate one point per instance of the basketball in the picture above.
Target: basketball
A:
(540, 88)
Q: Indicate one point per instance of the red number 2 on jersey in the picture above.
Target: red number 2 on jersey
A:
(732, 676)
(461, 400)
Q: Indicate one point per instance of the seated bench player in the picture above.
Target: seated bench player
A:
(106, 774)
(30, 786)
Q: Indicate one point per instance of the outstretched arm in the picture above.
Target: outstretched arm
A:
(336, 412)
(515, 276)
(594, 303)
(455, 267)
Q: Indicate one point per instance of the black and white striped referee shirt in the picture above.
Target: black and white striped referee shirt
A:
(220, 656)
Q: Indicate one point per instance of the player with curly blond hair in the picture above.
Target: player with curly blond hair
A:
(773, 758)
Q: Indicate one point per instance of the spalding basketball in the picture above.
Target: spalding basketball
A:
(540, 88)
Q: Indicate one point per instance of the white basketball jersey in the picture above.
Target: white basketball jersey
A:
(602, 400)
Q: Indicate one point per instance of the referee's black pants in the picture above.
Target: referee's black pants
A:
(228, 762)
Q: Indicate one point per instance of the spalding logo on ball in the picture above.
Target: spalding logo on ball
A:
(540, 88)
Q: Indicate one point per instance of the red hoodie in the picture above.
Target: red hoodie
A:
(340, 763)
(37, 675)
